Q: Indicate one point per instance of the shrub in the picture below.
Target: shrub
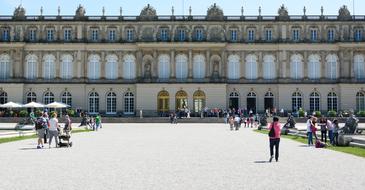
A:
(317, 113)
(23, 113)
(71, 112)
(332, 113)
(361, 113)
(301, 112)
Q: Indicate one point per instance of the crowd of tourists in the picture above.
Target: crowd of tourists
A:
(328, 128)
(91, 122)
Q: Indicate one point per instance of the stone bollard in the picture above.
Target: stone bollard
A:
(140, 113)
(344, 140)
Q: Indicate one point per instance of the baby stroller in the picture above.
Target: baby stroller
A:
(64, 137)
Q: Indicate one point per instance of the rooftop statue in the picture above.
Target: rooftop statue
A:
(19, 12)
(148, 13)
(80, 12)
(283, 13)
(344, 13)
(215, 13)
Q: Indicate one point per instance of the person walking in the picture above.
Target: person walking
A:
(309, 131)
(45, 136)
(53, 129)
(274, 137)
(97, 122)
(68, 125)
(323, 125)
(335, 132)
(231, 122)
(40, 126)
(329, 126)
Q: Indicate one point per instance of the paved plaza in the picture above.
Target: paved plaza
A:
(182, 156)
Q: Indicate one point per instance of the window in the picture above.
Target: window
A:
(296, 35)
(296, 100)
(67, 34)
(50, 34)
(296, 67)
(163, 101)
(3, 97)
(268, 34)
(48, 98)
(130, 35)
(332, 102)
(313, 33)
(233, 67)
(233, 35)
(331, 66)
(163, 66)
(331, 35)
(198, 101)
(269, 67)
(49, 67)
(181, 34)
(314, 67)
(6, 34)
(314, 99)
(251, 35)
(66, 66)
(111, 103)
(199, 67)
(129, 103)
(181, 67)
(32, 66)
(199, 34)
(31, 97)
(164, 34)
(111, 71)
(112, 35)
(360, 101)
(4, 66)
(251, 67)
(32, 35)
(94, 67)
(129, 67)
(66, 98)
(359, 67)
(94, 34)
(358, 34)
(93, 103)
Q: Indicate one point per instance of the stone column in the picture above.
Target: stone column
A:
(277, 67)
(102, 65)
(190, 67)
(154, 67)
(172, 64)
(223, 68)
(208, 72)
(40, 65)
(120, 65)
(259, 66)
(58, 63)
(139, 63)
(286, 64)
(305, 64)
(323, 64)
(242, 65)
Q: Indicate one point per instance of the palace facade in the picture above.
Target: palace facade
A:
(121, 64)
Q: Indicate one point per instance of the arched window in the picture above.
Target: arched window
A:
(359, 67)
(332, 101)
(181, 100)
(360, 101)
(164, 66)
(181, 67)
(48, 97)
(331, 66)
(163, 101)
(49, 68)
(269, 67)
(296, 101)
(233, 67)
(93, 103)
(111, 103)
(66, 66)
(199, 67)
(32, 66)
(111, 70)
(314, 67)
(94, 67)
(4, 66)
(31, 97)
(296, 67)
(66, 98)
(314, 100)
(234, 98)
(198, 100)
(3, 97)
(251, 67)
(129, 103)
(129, 67)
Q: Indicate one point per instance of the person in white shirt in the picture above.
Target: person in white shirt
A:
(309, 131)
(53, 129)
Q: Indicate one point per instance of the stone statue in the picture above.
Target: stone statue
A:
(350, 125)
(283, 13)
(80, 12)
(344, 13)
(215, 74)
(215, 13)
(19, 12)
(147, 70)
(148, 13)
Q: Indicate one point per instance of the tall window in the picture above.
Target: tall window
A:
(181, 34)
(251, 67)
(164, 34)
(163, 66)
(32, 35)
(199, 67)
(112, 35)
(130, 35)
(181, 67)
(251, 35)
(48, 97)
(50, 34)
(360, 101)
(331, 35)
(93, 103)
(111, 71)
(4, 66)
(32, 66)
(198, 100)
(314, 34)
(269, 67)
(331, 66)
(314, 67)
(3, 97)
(359, 67)
(31, 97)
(111, 103)
(233, 35)
(66, 98)
(128, 103)
(94, 67)
(49, 69)
(199, 34)
(233, 67)
(296, 35)
(163, 101)
(358, 34)
(314, 99)
(67, 34)
(268, 34)
(6, 34)
(94, 34)
(129, 67)
(66, 66)
(332, 101)
(296, 100)
(296, 67)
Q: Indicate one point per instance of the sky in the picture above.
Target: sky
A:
(163, 7)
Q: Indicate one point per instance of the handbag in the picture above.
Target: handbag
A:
(272, 131)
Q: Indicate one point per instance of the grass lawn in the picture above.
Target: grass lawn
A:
(357, 151)
(11, 139)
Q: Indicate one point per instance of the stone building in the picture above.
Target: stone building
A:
(120, 64)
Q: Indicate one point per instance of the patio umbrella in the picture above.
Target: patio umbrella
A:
(33, 105)
(56, 105)
(11, 105)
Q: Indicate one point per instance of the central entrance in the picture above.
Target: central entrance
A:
(181, 100)
(233, 100)
(251, 102)
(269, 101)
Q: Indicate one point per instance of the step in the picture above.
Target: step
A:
(357, 144)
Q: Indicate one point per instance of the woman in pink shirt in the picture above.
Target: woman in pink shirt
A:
(275, 139)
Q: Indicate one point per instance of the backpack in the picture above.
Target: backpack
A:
(39, 124)
(272, 131)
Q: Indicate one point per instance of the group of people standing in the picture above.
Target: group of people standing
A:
(326, 126)
(93, 123)
(235, 121)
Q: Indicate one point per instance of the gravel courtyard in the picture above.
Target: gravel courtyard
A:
(182, 156)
